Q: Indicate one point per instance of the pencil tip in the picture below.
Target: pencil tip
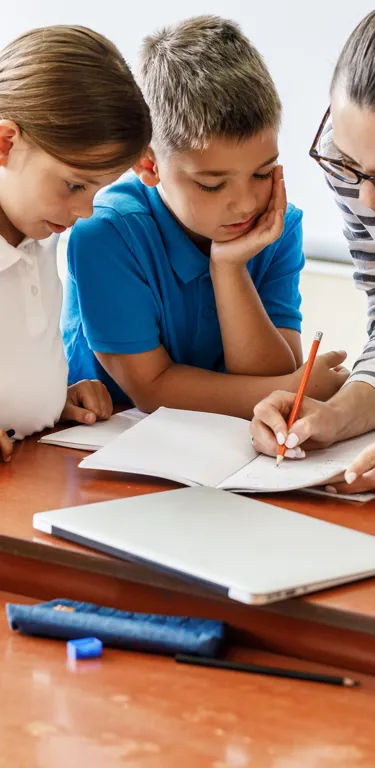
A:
(349, 683)
(279, 459)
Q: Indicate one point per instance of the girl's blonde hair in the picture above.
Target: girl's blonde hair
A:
(70, 91)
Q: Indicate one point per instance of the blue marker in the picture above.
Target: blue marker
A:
(84, 648)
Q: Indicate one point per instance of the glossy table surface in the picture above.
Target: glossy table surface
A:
(146, 711)
(42, 477)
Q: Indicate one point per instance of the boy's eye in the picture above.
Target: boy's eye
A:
(263, 175)
(210, 189)
(74, 187)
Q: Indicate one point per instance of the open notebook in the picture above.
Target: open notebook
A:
(208, 449)
(95, 436)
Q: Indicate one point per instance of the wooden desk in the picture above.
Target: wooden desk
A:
(141, 710)
(336, 626)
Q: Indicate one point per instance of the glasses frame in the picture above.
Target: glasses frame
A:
(339, 163)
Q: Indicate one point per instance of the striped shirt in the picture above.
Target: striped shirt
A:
(359, 230)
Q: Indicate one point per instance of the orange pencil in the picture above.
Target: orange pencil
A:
(301, 391)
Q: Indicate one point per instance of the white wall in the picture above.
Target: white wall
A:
(342, 314)
(300, 42)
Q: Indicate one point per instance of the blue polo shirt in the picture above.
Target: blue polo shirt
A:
(136, 280)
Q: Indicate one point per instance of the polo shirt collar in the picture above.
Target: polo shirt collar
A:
(187, 261)
(9, 254)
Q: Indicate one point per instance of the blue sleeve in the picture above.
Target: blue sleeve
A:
(279, 286)
(116, 304)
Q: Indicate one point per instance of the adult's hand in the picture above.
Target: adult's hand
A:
(316, 426)
(360, 476)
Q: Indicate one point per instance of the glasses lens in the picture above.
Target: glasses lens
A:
(331, 161)
(338, 171)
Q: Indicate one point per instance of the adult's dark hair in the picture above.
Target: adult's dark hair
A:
(355, 68)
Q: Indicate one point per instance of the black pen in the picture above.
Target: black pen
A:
(257, 669)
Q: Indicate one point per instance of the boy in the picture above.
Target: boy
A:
(183, 287)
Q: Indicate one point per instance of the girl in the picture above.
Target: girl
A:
(72, 120)
(345, 148)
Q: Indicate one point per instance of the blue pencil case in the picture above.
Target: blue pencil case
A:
(70, 620)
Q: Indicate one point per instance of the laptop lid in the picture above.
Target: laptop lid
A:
(254, 552)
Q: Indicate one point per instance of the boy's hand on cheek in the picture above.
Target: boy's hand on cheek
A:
(267, 229)
(86, 402)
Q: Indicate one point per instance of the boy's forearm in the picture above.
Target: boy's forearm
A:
(252, 345)
(196, 389)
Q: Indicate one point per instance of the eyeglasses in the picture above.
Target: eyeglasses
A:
(335, 166)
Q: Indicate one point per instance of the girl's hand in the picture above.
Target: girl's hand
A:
(86, 402)
(6, 445)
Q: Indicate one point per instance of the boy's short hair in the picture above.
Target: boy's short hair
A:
(203, 77)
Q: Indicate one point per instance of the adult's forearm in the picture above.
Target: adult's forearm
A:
(354, 406)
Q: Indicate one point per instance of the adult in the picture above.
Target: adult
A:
(345, 148)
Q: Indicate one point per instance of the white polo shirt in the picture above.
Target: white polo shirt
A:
(33, 369)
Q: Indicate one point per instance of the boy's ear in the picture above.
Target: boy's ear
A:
(9, 133)
(146, 169)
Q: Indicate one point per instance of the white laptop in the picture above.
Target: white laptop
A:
(254, 552)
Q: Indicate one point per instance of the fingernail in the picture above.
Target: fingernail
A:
(280, 438)
(292, 440)
(300, 453)
(330, 489)
(90, 417)
(350, 477)
(8, 459)
(291, 454)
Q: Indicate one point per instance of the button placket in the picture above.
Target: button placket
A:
(36, 319)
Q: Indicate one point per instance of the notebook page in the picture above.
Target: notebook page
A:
(95, 436)
(357, 497)
(289, 476)
(318, 467)
(186, 446)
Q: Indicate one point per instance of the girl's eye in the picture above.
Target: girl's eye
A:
(210, 189)
(263, 175)
(74, 187)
